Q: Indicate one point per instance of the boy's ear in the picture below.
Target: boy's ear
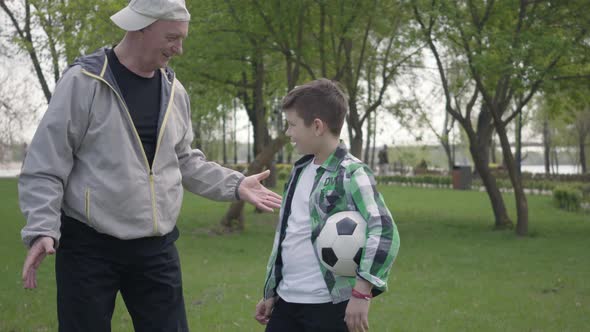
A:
(319, 127)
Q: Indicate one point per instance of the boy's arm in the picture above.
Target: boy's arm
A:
(357, 309)
(382, 236)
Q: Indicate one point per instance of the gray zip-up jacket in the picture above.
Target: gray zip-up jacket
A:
(86, 159)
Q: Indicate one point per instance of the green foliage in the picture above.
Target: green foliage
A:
(441, 181)
(422, 164)
(283, 171)
(237, 167)
(567, 198)
(535, 185)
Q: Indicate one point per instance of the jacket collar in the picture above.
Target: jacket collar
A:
(97, 63)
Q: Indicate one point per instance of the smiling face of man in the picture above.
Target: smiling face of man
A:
(161, 41)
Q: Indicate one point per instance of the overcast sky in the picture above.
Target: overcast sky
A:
(389, 130)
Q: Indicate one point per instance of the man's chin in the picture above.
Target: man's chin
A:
(165, 60)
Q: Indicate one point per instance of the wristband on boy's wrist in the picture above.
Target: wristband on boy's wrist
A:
(360, 295)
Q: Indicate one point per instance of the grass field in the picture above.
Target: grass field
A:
(453, 273)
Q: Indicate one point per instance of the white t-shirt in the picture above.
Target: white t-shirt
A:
(302, 280)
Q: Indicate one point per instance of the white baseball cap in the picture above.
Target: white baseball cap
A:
(140, 13)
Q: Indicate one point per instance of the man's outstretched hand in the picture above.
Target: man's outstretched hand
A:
(253, 192)
(42, 247)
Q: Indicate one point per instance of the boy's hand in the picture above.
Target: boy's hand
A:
(357, 315)
(357, 310)
(264, 309)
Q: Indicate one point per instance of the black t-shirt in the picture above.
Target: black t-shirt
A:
(142, 96)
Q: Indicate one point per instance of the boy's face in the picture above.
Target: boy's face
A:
(304, 138)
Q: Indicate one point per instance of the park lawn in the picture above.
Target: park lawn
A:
(453, 273)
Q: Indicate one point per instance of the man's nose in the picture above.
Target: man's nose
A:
(177, 47)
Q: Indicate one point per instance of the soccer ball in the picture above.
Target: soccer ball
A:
(340, 243)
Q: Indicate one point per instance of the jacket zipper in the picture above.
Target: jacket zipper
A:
(87, 201)
(138, 140)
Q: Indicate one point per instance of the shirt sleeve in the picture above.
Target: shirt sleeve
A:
(382, 236)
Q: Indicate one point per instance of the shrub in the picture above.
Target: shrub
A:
(567, 198)
(283, 171)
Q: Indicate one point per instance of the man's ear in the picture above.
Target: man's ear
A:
(319, 127)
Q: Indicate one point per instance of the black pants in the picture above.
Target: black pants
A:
(91, 268)
(297, 317)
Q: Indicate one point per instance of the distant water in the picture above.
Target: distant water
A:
(9, 170)
(13, 169)
(563, 169)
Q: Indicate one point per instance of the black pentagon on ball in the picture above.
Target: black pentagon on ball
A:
(329, 256)
(357, 257)
(345, 226)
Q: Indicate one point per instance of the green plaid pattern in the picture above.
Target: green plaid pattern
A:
(342, 183)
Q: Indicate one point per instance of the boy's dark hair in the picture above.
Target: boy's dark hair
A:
(320, 99)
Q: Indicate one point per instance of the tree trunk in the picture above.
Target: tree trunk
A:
(260, 125)
(547, 147)
(522, 213)
(583, 156)
(233, 220)
(479, 154)
(374, 145)
(582, 129)
(493, 158)
(445, 140)
(356, 145)
(555, 160)
(447, 148)
(235, 121)
(479, 145)
(368, 142)
(197, 140)
(224, 141)
(518, 139)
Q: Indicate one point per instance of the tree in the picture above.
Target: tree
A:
(461, 97)
(566, 108)
(17, 109)
(24, 37)
(54, 32)
(510, 49)
(413, 114)
(582, 130)
(258, 60)
(357, 42)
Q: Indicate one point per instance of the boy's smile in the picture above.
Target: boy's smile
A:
(302, 136)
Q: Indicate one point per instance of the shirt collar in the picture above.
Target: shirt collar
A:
(333, 161)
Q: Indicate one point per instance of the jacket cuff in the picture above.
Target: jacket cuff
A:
(236, 192)
(269, 294)
(376, 282)
(29, 242)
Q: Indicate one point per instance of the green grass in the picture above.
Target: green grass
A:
(453, 273)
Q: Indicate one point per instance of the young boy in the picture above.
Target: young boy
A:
(299, 293)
